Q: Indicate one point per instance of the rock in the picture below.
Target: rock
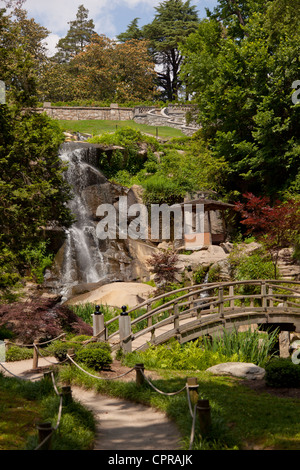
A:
(116, 295)
(212, 254)
(238, 369)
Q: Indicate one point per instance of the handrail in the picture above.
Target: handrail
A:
(217, 303)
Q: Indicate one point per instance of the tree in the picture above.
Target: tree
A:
(163, 265)
(243, 88)
(33, 192)
(22, 54)
(78, 36)
(107, 70)
(133, 32)
(276, 226)
(173, 22)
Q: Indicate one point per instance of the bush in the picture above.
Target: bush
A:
(15, 353)
(282, 373)
(95, 356)
(60, 348)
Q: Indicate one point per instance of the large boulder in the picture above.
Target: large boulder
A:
(238, 369)
(116, 294)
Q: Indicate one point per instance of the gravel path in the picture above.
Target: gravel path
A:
(121, 425)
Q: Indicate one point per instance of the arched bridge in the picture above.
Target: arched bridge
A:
(194, 311)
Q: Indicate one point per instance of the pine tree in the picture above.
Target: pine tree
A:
(79, 35)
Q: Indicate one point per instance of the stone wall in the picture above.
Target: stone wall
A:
(70, 113)
(173, 116)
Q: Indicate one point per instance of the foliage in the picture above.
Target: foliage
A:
(78, 36)
(17, 353)
(241, 76)
(282, 372)
(162, 190)
(248, 346)
(276, 226)
(173, 22)
(32, 190)
(163, 265)
(41, 319)
(96, 357)
(173, 356)
(22, 53)
(103, 71)
(37, 259)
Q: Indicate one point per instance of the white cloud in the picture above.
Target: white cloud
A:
(50, 43)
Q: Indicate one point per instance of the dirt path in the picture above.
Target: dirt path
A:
(121, 425)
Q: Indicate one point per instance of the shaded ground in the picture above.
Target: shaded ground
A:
(261, 387)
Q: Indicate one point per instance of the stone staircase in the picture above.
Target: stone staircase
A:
(288, 268)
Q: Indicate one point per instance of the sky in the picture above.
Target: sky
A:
(111, 17)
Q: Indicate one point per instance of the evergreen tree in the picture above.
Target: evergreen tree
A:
(133, 32)
(174, 21)
(79, 35)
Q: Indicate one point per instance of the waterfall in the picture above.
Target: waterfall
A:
(83, 261)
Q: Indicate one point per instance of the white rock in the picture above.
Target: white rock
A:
(238, 369)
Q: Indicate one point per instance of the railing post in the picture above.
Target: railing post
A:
(263, 295)
(221, 302)
(125, 331)
(45, 431)
(98, 324)
(35, 356)
(193, 389)
(231, 294)
(66, 393)
(176, 316)
(139, 368)
(149, 319)
(271, 302)
(203, 411)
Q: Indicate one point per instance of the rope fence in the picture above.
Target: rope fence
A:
(199, 408)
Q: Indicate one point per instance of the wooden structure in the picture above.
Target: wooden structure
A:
(207, 309)
(208, 235)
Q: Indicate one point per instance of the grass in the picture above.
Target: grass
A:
(241, 418)
(24, 404)
(98, 127)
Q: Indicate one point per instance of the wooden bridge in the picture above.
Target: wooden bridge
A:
(190, 312)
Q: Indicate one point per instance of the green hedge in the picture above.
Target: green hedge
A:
(281, 373)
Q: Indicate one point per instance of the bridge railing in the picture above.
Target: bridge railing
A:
(216, 300)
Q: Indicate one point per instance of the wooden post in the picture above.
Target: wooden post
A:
(263, 295)
(125, 333)
(271, 302)
(66, 393)
(221, 302)
(149, 319)
(231, 294)
(98, 326)
(139, 368)
(176, 316)
(203, 411)
(35, 356)
(7, 345)
(193, 389)
(45, 431)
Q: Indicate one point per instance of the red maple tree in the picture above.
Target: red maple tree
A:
(276, 226)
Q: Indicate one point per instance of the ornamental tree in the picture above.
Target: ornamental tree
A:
(276, 226)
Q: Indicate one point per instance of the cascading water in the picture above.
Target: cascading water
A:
(83, 261)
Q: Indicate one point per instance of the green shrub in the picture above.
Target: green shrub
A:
(60, 348)
(281, 373)
(96, 356)
(16, 353)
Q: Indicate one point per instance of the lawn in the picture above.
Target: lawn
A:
(97, 127)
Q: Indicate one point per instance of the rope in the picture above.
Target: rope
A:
(44, 357)
(159, 391)
(16, 376)
(193, 428)
(97, 376)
